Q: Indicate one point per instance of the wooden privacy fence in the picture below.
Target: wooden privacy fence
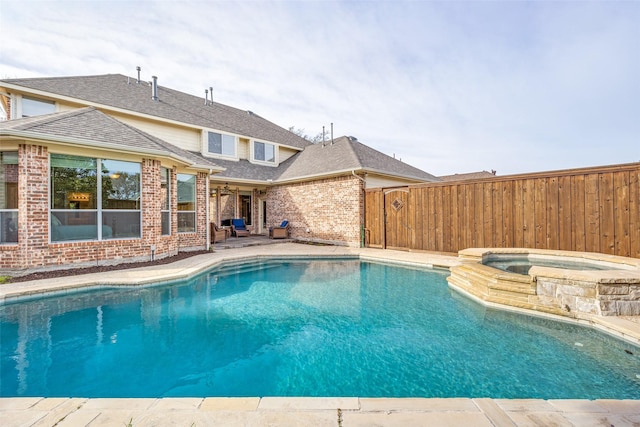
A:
(592, 210)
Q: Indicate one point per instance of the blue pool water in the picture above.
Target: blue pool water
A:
(318, 328)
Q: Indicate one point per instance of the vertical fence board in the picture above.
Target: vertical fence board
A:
(592, 213)
(432, 218)
(518, 214)
(621, 224)
(497, 215)
(634, 212)
(552, 213)
(529, 206)
(469, 217)
(564, 213)
(605, 188)
(579, 214)
(454, 227)
(445, 193)
(507, 214)
(540, 206)
(487, 214)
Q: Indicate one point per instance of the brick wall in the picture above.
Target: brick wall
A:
(35, 252)
(323, 210)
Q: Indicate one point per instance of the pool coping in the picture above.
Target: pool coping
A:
(302, 410)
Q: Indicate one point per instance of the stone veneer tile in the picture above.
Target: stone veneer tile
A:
(182, 403)
(130, 404)
(538, 419)
(230, 404)
(417, 404)
(620, 406)
(606, 420)
(403, 419)
(525, 405)
(308, 403)
(572, 405)
(18, 402)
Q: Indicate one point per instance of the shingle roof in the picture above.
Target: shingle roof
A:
(89, 126)
(346, 153)
(122, 92)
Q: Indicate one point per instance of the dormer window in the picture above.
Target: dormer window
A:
(36, 107)
(264, 152)
(221, 144)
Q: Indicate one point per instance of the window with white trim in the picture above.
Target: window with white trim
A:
(219, 143)
(165, 210)
(91, 205)
(264, 152)
(186, 203)
(8, 197)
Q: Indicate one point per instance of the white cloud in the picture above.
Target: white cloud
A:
(448, 87)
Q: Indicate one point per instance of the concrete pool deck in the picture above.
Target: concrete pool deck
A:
(277, 411)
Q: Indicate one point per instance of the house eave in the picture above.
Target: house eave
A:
(75, 142)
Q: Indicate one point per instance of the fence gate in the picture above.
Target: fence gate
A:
(397, 228)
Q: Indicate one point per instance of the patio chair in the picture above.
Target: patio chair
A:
(217, 234)
(280, 232)
(239, 228)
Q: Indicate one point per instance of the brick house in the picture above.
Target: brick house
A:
(110, 168)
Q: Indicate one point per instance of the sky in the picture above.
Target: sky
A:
(446, 86)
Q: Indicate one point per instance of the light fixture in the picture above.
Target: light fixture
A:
(115, 175)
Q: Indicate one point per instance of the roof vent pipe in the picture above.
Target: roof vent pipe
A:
(323, 135)
(331, 133)
(211, 90)
(206, 97)
(138, 69)
(154, 88)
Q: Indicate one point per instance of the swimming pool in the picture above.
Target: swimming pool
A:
(294, 328)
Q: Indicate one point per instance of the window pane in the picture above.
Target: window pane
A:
(36, 107)
(186, 192)
(120, 185)
(186, 222)
(164, 188)
(118, 225)
(81, 225)
(258, 151)
(8, 227)
(73, 182)
(8, 180)
(166, 223)
(269, 153)
(215, 143)
(229, 145)
(264, 152)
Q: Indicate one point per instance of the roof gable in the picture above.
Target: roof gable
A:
(125, 93)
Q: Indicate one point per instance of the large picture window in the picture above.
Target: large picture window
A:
(222, 144)
(186, 203)
(8, 197)
(264, 152)
(87, 205)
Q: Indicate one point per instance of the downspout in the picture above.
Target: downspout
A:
(364, 205)
(208, 211)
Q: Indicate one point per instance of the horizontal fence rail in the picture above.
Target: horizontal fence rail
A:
(591, 210)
